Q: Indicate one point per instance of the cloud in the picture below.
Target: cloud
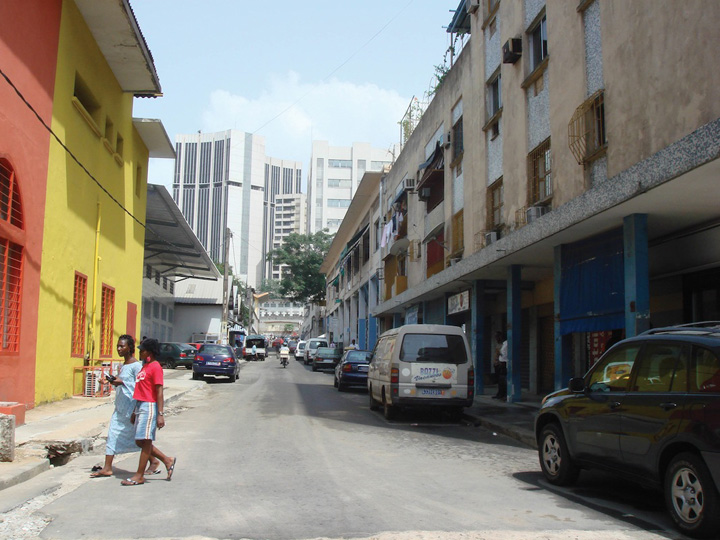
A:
(291, 114)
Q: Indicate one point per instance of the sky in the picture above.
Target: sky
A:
(336, 70)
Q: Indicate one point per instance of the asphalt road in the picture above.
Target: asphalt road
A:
(281, 454)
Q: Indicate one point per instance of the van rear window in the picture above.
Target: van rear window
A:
(436, 348)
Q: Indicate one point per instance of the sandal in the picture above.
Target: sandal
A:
(171, 469)
(99, 475)
(131, 482)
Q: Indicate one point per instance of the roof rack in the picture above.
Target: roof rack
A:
(697, 328)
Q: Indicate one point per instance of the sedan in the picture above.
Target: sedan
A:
(352, 370)
(216, 360)
(176, 354)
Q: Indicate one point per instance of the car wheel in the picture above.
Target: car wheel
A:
(555, 461)
(314, 368)
(373, 404)
(232, 378)
(196, 376)
(691, 497)
(188, 367)
(335, 382)
(170, 364)
(389, 411)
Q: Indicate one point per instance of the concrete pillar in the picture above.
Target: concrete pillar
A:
(514, 337)
(563, 343)
(477, 341)
(397, 320)
(7, 437)
(637, 274)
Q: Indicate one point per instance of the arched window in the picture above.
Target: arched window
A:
(11, 258)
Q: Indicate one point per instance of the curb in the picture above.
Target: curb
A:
(521, 435)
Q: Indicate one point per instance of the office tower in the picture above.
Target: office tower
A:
(219, 183)
(335, 172)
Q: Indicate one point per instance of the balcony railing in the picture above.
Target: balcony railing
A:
(434, 219)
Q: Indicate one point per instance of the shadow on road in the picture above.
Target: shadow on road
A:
(613, 496)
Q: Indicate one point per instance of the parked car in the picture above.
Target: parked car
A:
(176, 354)
(326, 358)
(311, 348)
(214, 359)
(292, 345)
(648, 410)
(300, 350)
(260, 350)
(421, 365)
(352, 370)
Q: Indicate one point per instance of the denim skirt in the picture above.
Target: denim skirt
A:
(145, 420)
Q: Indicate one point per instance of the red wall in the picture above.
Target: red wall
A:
(29, 31)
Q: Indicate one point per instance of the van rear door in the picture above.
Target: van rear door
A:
(433, 366)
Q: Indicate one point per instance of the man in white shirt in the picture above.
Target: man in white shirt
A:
(501, 358)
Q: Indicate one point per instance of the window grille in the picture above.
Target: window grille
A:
(79, 314)
(586, 131)
(458, 233)
(540, 173)
(11, 260)
(107, 321)
(496, 195)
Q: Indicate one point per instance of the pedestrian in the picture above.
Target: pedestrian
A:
(149, 412)
(501, 359)
(121, 433)
(352, 345)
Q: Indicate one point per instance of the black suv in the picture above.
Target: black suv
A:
(649, 410)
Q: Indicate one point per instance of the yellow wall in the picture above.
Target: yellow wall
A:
(73, 202)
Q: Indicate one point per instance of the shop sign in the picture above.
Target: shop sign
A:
(459, 302)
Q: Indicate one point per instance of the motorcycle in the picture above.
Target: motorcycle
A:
(284, 361)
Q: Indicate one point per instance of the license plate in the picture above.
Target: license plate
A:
(213, 363)
(362, 368)
(431, 392)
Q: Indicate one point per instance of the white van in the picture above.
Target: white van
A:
(421, 365)
(312, 347)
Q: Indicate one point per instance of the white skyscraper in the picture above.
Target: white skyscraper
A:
(219, 183)
(335, 172)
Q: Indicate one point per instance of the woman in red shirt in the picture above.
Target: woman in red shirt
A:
(149, 411)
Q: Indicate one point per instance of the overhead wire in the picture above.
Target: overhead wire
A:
(84, 168)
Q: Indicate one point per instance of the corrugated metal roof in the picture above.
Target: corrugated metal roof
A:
(199, 291)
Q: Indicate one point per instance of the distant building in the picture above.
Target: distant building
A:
(335, 172)
(284, 208)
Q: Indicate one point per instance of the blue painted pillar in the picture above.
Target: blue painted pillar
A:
(563, 343)
(372, 333)
(514, 337)
(637, 274)
(361, 334)
(477, 341)
(397, 320)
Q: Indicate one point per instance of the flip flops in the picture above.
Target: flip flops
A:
(149, 473)
(98, 475)
(131, 482)
(171, 469)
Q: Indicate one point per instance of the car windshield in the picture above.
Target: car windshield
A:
(215, 349)
(257, 342)
(316, 344)
(358, 356)
(326, 350)
(435, 348)
(301, 346)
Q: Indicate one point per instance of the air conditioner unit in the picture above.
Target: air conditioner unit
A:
(535, 212)
(512, 50)
(491, 238)
(448, 139)
(409, 184)
(424, 194)
(473, 6)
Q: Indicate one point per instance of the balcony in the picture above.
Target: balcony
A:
(434, 220)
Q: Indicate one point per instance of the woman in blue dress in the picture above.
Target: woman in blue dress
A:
(121, 434)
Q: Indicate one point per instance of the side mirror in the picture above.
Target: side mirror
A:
(577, 385)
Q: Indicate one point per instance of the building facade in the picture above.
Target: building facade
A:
(560, 185)
(283, 206)
(335, 173)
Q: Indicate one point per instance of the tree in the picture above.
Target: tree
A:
(303, 254)
(272, 286)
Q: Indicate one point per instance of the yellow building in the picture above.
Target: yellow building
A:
(92, 263)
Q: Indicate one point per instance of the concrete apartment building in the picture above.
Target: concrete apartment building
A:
(561, 185)
(335, 173)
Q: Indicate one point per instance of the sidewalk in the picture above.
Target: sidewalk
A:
(67, 427)
(515, 420)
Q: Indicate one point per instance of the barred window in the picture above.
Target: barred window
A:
(11, 260)
(540, 173)
(79, 315)
(496, 194)
(107, 325)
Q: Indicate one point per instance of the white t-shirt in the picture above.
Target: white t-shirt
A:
(503, 356)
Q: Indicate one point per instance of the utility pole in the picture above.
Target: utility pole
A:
(226, 266)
